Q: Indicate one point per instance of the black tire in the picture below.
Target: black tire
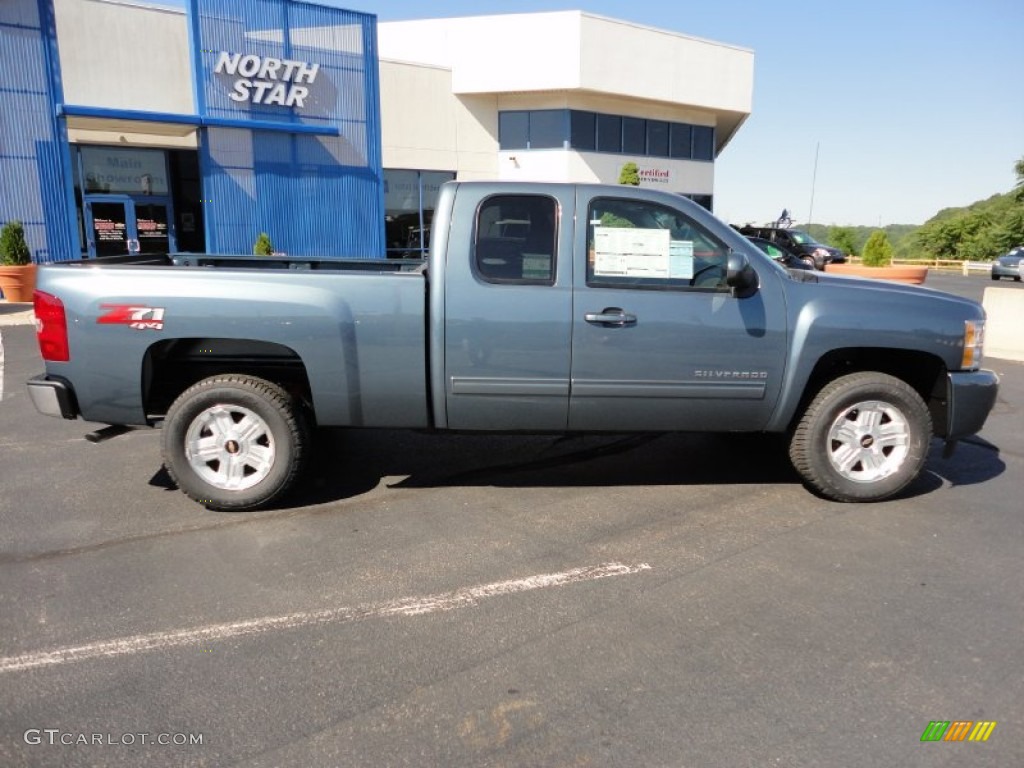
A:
(864, 437)
(234, 442)
(811, 263)
(996, 277)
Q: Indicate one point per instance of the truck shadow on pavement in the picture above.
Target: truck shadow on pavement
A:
(349, 463)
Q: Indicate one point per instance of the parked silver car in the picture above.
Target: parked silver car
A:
(1009, 264)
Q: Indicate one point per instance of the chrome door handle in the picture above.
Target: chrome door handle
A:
(610, 317)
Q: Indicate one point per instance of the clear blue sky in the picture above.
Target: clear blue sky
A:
(915, 106)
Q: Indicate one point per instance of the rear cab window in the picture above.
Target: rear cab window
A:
(515, 240)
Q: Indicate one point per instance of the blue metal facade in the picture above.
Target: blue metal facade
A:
(35, 182)
(287, 93)
(296, 153)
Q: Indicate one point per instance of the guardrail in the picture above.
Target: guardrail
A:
(953, 265)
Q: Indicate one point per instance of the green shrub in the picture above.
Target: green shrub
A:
(877, 251)
(263, 246)
(630, 175)
(13, 248)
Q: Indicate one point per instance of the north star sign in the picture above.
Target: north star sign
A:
(266, 80)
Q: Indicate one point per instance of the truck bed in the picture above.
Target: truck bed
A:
(355, 330)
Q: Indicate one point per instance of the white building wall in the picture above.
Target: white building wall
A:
(684, 176)
(618, 57)
(572, 50)
(566, 60)
(427, 127)
(488, 54)
(122, 56)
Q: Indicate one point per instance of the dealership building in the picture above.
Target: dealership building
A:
(130, 127)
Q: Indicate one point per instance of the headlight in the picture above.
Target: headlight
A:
(974, 341)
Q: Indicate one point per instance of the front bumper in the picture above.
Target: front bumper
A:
(971, 395)
(53, 396)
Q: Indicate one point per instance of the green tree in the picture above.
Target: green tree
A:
(630, 175)
(263, 246)
(843, 238)
(878, 250)
(13, 248)
(1019, 170)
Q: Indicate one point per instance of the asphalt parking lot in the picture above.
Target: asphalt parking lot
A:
(436, 600)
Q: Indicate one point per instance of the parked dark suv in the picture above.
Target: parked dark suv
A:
(810, 251)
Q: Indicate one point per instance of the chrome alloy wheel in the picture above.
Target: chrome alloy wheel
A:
(230, 447)
(868, 441)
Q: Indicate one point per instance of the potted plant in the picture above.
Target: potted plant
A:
(876, 262)
(17, 272)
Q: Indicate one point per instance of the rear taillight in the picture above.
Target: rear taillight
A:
(51, 328)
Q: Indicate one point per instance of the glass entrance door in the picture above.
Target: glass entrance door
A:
(151, 220)
(119, 225)
(110, 225)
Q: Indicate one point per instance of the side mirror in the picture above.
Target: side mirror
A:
(740, 275)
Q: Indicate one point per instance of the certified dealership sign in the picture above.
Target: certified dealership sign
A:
(654, 175)
(267, 80)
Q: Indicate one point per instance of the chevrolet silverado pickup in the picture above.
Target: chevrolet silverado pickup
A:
(540, 308)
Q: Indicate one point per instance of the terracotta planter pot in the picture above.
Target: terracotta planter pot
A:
(18, 282)
(911, 275)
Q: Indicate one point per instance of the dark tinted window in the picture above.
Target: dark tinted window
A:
(634, 135)
(657, 138)
(583, 130)
(703, 142)
(513, 129)
(516, 239)
(681, 141)
(548, 129)
(609, 133)
(705, 201)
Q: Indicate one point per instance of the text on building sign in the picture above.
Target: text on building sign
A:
(266, 80)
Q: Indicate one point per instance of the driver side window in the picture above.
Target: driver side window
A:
(639, 244)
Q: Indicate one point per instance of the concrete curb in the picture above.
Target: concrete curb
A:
(1004, 331)
(16, 314)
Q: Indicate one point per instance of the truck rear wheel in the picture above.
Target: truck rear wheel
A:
(234, 442)
(864, 437)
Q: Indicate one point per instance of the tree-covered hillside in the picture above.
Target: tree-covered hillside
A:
(979, 232)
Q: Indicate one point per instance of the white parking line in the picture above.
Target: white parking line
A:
(409, 606)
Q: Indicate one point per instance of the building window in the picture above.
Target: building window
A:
(409, 201)
(548, 129)
(609, 133)
(703, 142)
(634, 136)
(583, 130)
(513, 130)
(657, 138)
(515, 239)
(681, 143)
(705, 201)
(612, 134)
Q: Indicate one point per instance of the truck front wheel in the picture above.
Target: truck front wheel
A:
(234, 442)
(864, 437)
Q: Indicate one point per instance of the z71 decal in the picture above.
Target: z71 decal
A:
(132, 315)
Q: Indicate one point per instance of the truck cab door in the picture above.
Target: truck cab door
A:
(508, 309)
(659, 340)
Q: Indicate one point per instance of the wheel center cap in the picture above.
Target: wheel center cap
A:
(231, 446)
(867, 441)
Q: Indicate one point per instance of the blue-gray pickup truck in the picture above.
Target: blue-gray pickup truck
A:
(541, 308)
